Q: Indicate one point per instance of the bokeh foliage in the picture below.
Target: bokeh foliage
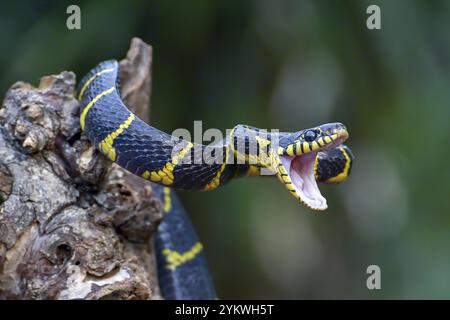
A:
(288, 65)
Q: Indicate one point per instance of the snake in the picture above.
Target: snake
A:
(298, 159)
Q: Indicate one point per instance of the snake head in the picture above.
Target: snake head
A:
(294, 161)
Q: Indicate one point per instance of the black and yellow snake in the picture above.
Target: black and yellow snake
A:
(298, 159)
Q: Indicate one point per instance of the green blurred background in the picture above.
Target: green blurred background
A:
(287, 65)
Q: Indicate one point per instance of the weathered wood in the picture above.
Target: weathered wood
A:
(71, 224)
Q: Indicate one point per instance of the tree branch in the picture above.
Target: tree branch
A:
(71, 224)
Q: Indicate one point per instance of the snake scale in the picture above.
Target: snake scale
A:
(299, 160)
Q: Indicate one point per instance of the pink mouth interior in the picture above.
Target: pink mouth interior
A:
(301, 172)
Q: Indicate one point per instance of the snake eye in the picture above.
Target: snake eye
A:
(310, 135)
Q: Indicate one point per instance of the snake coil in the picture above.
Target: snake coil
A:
(299, 160)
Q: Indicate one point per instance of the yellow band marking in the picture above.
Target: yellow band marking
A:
(316, 165)
(298, 148)
(283, 175)
(344, 174)
(175, 259)
(290, 150)
(280, 151)
(306, 148)
(327, 139)
(246, 157)
(90, 104)
(315, 145)
(215, 182)
(262, 159)
(253, 171)
(167, 199)
(165, 175)
(321, 142)
(91, 79)
(107, 144)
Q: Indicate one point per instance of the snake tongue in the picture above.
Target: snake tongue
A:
(301, 173)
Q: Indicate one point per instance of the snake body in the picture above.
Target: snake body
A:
(183, 272)
(298, 159)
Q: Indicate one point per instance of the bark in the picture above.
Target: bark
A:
(72, 225)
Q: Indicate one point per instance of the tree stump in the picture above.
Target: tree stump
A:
(72, 224)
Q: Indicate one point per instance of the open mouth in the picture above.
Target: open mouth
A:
(300, 170)
(299, 176)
